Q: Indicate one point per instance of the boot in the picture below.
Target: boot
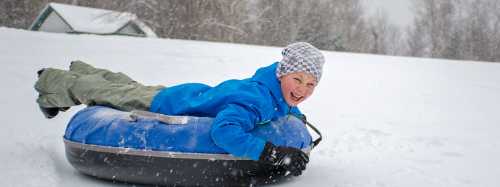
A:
(49, 113)
(52, 111)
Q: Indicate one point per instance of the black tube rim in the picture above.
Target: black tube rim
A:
(154, 153)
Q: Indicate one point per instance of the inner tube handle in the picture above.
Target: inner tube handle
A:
(315, 142)
(166, 119)
(303, 118)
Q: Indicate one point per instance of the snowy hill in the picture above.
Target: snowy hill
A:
(386, 121)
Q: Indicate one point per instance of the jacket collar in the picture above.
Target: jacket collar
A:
(267, 77)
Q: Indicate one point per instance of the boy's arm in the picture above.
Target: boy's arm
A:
(230, 132)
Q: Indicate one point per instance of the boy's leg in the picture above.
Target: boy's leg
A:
(53, 88)
(84, 68)
(59, 88)
(111, 89)
(95, 90)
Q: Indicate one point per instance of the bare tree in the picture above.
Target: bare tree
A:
(417, 45)
(385, 37)
(455, 29)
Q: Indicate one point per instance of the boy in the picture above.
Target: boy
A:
(236, 105)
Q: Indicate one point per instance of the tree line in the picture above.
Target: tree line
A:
(453, 29)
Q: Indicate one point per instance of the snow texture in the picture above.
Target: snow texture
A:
(386, 121)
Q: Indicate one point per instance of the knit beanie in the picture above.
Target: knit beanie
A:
(301, 57)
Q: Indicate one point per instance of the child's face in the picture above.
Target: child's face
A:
(297, 87)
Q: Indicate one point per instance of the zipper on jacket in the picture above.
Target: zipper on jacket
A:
(263, 122)
(289, 113)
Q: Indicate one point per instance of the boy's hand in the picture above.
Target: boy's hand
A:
(291, 159)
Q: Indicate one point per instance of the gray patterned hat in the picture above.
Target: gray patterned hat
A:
(301, 57)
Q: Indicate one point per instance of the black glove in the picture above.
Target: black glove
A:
(291, 159)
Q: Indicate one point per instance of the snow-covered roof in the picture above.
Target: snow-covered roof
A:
(147, 30)
(94, 20)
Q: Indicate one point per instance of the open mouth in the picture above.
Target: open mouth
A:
(295, 97)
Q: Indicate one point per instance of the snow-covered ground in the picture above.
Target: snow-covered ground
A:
(386, 121)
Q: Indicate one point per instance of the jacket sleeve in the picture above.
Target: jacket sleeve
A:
(230, 132)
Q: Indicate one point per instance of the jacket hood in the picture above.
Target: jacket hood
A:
(267, 77)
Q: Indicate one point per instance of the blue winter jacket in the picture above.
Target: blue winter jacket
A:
(237, 106)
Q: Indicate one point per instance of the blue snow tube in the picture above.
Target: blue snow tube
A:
(150, 148)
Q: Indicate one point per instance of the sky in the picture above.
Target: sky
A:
(398, 11)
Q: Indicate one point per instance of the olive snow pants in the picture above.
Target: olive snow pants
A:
(84, 84)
